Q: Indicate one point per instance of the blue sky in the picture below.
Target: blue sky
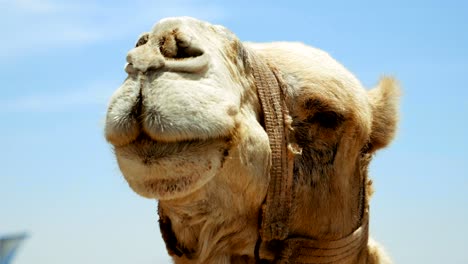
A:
(61, 60)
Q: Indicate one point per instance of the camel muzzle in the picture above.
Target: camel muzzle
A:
(170, 49)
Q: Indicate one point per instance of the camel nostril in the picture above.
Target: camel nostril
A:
(182, 53)
(188, 52)
(142, 40)
(177, 45)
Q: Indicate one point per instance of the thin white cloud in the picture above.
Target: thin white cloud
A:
(31, 6)
(36, 26)
(96, 94)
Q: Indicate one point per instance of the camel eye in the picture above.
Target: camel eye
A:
(327, 119)
(142, 41)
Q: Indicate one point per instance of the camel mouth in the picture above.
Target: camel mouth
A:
(169, 170)
(149, 150)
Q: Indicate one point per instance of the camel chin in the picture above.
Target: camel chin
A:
(169, 170)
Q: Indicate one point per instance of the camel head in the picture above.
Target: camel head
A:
(188, 129)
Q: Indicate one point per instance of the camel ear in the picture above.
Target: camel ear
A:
(384, 101)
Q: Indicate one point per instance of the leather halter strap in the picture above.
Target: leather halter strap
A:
(308, 251)
(276, 210)
(277, 206)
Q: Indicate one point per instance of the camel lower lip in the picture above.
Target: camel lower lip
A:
(165, 186)
(165, 170)
(149, 149)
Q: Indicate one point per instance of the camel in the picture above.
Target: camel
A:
(191, 127)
